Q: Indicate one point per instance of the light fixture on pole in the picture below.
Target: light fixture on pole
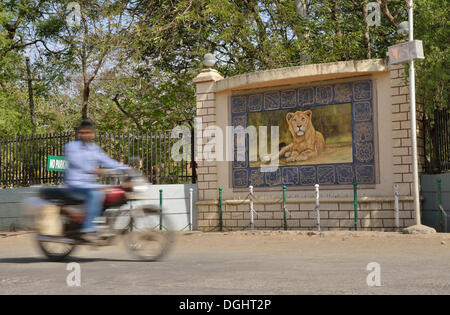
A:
(403, 28)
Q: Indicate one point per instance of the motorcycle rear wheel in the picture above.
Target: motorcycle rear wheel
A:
(55, 251)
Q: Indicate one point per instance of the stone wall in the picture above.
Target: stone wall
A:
(431, 216)
(11, 207)
(375, 202)
(373, 214)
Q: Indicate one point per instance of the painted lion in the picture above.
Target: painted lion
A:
(306, 143)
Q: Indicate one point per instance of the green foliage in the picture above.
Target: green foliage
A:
(433, 28)
(154, 48)
(14, 116)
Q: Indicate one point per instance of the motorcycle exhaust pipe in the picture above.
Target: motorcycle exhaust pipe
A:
(55, 239)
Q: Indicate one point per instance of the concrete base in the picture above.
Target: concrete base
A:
(419, 229)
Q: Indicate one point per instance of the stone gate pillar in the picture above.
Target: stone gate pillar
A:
(401, 136)
(206, 170)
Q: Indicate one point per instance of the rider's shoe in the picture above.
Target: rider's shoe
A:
(90, 237)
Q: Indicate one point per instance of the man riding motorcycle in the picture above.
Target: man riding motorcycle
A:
(85, 158)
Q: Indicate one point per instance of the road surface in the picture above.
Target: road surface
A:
(240, 263)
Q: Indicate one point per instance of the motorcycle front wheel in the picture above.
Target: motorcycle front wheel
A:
(147, 243)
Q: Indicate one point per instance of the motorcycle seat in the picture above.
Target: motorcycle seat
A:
(60, 196)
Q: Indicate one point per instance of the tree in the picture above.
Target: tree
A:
(130, 63)
(15, 17)
(89, 47)
(251, 35)
(432, 27)
(169, 40)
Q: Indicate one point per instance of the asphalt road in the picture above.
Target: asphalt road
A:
(240, 263)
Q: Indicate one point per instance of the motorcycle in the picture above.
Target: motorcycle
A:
(58, 215)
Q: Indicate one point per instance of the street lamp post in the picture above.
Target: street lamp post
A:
(412, 100)
(402, 53)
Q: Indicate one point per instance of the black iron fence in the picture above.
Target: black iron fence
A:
(437, 142)
(23, 160)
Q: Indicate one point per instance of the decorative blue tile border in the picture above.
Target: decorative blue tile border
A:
(362, 170)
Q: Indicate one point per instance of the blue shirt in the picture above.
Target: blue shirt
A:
(84, 158)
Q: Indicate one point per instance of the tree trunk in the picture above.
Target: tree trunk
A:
(136, 121)
(367, 32)
(30, 95)
(335, 17)
(84, 109)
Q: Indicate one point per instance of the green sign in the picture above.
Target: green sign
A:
(56, 163)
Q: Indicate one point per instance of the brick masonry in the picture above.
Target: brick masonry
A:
(206, 116)
(373, 214)
(302, 215)
(401, 130)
